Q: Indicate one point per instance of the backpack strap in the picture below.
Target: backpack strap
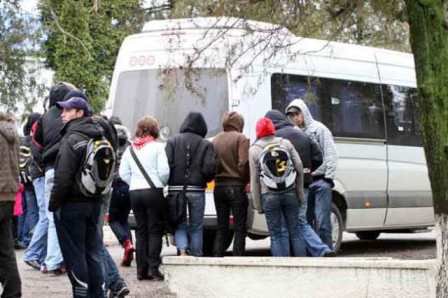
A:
(142, 170)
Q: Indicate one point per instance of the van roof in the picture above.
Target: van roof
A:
(211, 23)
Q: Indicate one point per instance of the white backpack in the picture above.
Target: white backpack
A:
(277, 168)
(97, 171)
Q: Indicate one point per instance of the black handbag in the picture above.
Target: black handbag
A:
(177, 201)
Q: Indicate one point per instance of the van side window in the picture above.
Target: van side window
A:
(348, 108)
(403, 126)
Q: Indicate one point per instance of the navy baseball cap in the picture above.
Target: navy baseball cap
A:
(78, 103)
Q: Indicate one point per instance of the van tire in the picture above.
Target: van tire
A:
(336, 217)
(209, 241)
(368, 235)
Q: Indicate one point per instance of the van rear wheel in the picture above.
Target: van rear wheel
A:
(368, 235)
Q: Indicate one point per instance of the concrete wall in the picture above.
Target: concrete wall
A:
(299, 277)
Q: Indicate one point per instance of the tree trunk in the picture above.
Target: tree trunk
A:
(429, 41)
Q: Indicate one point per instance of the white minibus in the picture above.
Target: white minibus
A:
(366, 96)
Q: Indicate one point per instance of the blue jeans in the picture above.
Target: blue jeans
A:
(276, 206)
(319, 213)
(110, 271)
(313, 243)
(30, 216)
(192, 227)
(53, 260)
(82, 247)
(37, 249)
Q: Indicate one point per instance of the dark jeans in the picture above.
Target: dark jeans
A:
(120, 206)
(81, 246)
(231, 199)
(189, 234)
(9, 274)
(149, 210)
(121, 230)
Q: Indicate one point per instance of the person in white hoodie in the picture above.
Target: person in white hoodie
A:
(146, 184)
(320, 191)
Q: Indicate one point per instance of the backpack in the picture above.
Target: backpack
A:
(25, 160)
(97, 170)
(277, 168)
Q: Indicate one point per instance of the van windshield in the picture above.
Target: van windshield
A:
(169, 95)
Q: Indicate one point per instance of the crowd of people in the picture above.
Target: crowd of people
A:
(72, 170)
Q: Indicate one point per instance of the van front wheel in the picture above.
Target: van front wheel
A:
(337, 224)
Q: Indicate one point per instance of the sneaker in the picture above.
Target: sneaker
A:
(329, 254)
(156, 275)
(33, 264)
(59, 271)
(121, 291)
(20, 245)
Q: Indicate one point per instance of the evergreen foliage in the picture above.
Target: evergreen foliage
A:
(83, 38)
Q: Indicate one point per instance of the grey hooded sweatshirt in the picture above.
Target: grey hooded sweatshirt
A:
(323, 137)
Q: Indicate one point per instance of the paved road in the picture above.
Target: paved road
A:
(404, 246)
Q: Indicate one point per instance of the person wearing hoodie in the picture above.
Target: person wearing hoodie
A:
(281, 203)
(192, 162)
(144, 167)
(9, 185)
(320, 191)
(44, 252)
(120, 203)
(29, 171)
(76, 216)
(232, 176)
(311, 157)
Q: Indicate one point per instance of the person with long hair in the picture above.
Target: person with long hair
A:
(144, 167)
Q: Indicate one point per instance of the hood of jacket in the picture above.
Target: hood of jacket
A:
(301, 105)
(233, 121)
(264, 128)
(278, 118)
(194, 123)
(85, 126)
(59, 91)
(8, 131)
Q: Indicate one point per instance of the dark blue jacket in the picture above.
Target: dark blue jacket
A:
(308, 150)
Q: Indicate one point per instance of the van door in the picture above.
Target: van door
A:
(410, 199)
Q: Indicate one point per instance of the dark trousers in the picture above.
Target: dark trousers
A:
(81, 245)
(9, 274)
(120, 206)
(230, 199)
(149, 210)
(121, 230)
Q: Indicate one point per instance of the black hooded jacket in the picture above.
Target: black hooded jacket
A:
(49, 127)
(76, 135)
(308, 150)
(203, 157)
